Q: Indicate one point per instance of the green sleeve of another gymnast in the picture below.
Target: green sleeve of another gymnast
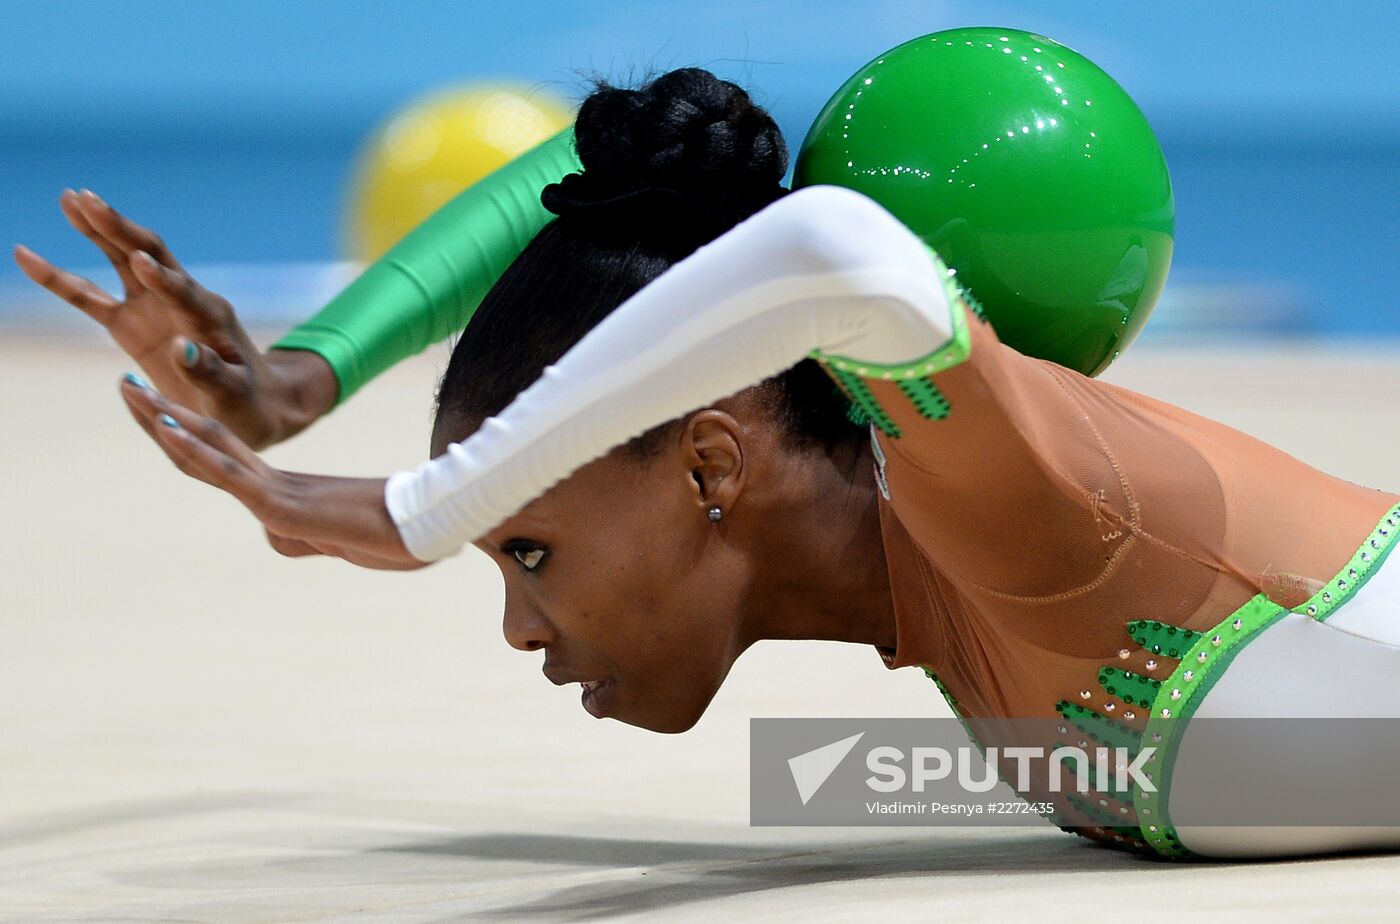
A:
(429, 284)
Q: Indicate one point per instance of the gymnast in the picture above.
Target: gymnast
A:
(699, 410)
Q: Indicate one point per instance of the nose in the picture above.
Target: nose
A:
(526, 627)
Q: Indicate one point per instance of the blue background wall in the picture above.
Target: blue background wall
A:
(231, 127)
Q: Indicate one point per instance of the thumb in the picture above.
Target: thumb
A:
(207, 370)
(291, 548)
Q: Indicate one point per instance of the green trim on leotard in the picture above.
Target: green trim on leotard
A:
(428, 285)
(1205, 662)
(1171, 702)
(864, 407)
(1161, 637)
(1177, 699)
(1357, 572)
(950, 354)
(912, 377)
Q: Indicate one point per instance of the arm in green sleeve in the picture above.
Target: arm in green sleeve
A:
(429, 284)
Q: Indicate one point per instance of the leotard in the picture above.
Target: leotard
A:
(1057, 546)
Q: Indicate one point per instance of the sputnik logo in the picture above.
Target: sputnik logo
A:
(813, 768)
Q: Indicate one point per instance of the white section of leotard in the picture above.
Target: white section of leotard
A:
(1345, 668)
(822, 268)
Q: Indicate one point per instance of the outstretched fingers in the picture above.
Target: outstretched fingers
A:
(302, 514)
(203, 448)
(71, 204)
(208, 312)
(83, 294)
(121, 232)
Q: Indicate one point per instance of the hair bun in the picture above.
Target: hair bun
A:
(686, 140)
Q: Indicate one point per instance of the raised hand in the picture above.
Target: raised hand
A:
(187, 339)
(302, 514)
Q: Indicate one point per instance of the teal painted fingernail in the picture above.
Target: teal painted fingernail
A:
(136, 380)
(191, 353)
(170, 422)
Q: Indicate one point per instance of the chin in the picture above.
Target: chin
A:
(672, 727)
(672, 722)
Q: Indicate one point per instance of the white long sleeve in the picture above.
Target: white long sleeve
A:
(824, 268)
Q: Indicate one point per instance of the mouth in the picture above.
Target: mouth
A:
(597, 694)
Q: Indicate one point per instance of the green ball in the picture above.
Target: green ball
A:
(1027, 168)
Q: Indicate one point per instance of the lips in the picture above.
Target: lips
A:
(596, 693)
(597, 696)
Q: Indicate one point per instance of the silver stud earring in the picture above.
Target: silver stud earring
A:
(715, 514)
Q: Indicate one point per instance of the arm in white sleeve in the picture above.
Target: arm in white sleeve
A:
(822, 269)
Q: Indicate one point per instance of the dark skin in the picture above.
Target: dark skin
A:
(631, 585)
(186, 339)
(619, 575)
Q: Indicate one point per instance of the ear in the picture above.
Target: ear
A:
(712, 445)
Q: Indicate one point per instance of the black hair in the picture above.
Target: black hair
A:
(667, 167)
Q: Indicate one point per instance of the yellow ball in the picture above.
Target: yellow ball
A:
(435, 147)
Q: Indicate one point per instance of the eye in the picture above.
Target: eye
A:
(529, 552)
(530, 558)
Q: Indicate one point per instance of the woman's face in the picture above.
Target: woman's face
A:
(620, 577)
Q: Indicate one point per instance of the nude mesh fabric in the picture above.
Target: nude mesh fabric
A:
(1048, 509)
